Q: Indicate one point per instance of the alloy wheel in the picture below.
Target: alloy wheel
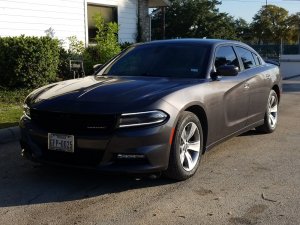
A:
(189, 146)
(272, 111)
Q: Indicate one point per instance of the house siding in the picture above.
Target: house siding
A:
(66, 17)
(128, 17)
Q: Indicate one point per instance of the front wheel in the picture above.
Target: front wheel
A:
(271, 115)
(187, 147)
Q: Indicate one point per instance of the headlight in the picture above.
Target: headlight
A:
(26, 111)
(142, 118)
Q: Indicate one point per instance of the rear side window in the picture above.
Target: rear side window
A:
(247, 57)
(256, 59)
(226, 56)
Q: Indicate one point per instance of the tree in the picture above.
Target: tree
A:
(270, 25)
(195, 18)
(243, 31)
(294, 24)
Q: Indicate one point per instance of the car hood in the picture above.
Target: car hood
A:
(110, 93)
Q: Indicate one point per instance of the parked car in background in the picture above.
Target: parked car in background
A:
(156, 107)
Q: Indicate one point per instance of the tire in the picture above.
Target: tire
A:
(271, 115)
(186, 149)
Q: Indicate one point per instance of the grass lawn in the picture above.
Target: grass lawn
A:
(11, 102)
(11, 110)
(10, 114)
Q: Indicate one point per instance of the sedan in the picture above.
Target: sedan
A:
(155, 108)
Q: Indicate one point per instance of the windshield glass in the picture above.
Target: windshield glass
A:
(180, 61)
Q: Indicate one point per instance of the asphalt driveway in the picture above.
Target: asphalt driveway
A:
(250, 179)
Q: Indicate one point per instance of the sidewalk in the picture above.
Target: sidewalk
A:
(9, 134)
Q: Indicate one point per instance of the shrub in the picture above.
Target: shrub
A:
(106, 47)
(28, 61)
(106, 38)
(63, 72)
(76, 47)
(74, 52)
(91, 57)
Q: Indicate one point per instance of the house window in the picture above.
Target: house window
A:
(110, 14)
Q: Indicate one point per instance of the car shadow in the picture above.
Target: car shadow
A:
(252, 132)
(25, 183)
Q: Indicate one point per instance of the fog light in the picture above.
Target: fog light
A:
(130, 156)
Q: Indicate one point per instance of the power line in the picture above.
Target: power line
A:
(266, 1)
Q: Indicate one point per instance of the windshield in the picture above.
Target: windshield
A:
(180, 61)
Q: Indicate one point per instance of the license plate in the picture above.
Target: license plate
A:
(61, 142)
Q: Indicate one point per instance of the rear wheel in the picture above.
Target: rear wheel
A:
(187, 147)
(271, 115)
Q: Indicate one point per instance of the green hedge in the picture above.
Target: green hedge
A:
(63, 72)
(91, 57)
(28, 61)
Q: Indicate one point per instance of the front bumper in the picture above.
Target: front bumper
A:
(100, 151)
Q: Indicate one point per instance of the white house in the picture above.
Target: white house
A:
(74, 17)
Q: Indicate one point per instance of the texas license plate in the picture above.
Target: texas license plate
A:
(61, 142)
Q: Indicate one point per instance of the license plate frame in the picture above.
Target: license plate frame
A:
(61, 142)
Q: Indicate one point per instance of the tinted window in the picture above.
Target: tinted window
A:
(256, 59)
(247, 57)
(188, 61)
(226, 56)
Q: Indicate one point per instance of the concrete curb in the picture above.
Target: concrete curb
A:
(9, 134)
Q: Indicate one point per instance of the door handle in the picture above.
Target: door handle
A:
(246, 86)
(268, 76)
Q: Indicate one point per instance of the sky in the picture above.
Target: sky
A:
(246, 9)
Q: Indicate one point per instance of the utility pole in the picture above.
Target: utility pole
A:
(299, 38)
(266, 3)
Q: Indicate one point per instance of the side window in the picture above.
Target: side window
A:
(256, 59)
(247, 57)
(226, 56)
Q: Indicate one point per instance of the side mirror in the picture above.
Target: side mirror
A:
(96, 67)
(227, 70)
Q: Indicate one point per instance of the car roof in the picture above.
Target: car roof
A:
(194, 41)
(199, 41)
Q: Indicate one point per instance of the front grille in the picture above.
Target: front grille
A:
(56, 122)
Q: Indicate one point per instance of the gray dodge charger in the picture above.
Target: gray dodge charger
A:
(156, 107)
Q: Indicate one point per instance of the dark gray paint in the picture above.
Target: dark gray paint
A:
(232, 105)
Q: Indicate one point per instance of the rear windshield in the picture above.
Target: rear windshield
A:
(180, 61)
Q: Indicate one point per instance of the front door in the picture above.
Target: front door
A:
(235, 93)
